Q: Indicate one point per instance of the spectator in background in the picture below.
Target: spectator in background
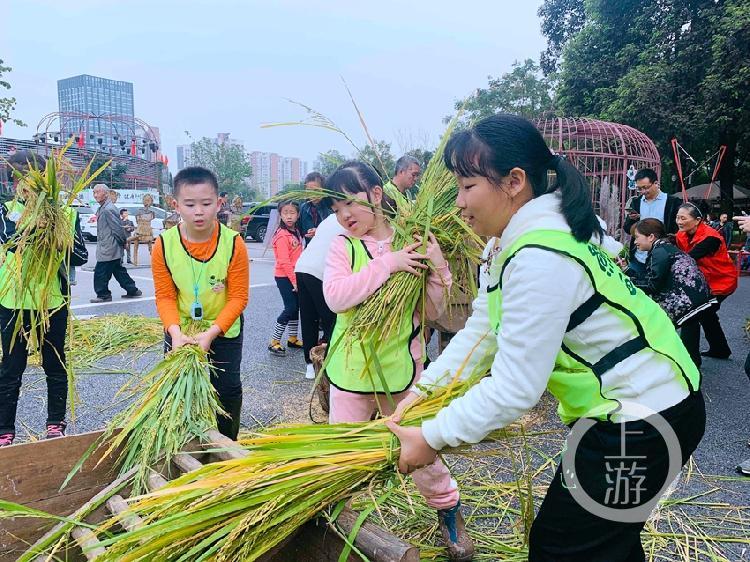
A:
(224, 212)
(673, 279)
(113, 196)
(110, 242)
(725, 228)
(652, 204)
(709, 250)
(312, 212)
(405, 177)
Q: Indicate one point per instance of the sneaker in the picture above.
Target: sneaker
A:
(136, 293)
(294, 342)
(276, 349)
(310, 372)
(6, 439)
(55, 430)
(457, 541)
(743, 468)
(102, 299)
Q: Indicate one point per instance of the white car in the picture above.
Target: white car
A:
(88, 221)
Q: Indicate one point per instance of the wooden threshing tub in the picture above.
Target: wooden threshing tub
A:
(31, 474)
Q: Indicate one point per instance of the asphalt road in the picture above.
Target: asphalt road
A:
(275, 388)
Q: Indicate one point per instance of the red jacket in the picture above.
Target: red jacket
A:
(287, 247)
(718, 268)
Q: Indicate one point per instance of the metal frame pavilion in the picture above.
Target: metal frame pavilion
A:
(603, 152)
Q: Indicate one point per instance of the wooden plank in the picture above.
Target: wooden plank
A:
(128, 521)
(231, 449)
(32, 473)
(376, 543)
(155, 481)
(186, 463)
(86, 539)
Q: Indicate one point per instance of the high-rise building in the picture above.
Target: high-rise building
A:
(184, 156)
(108, 107)
(272, 172)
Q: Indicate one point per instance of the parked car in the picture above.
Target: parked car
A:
(88, 223)
(256, 225)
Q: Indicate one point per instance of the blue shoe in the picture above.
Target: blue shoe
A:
(457, 541)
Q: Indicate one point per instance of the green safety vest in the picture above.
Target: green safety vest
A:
(393, 192)
(352, 366)
(576, 381)
(212, 275)
(28, 297)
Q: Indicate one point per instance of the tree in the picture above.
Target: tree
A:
(679, 68)
(228, 161)
(113, 175)
(328, 161)
(561, 21)
(379, 157)
(423, 156)
(7, 105)
(522, 91)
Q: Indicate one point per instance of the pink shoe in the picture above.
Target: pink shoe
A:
(6, 439)
(55, 430)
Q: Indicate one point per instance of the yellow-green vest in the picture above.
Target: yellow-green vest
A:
(370, 365)
(393, 192)
(28, 297)
(576, 382)
(211, 274)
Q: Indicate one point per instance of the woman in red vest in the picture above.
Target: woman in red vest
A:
(707, 247)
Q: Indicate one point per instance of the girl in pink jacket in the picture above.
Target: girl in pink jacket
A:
(287, 247)
(358, 264)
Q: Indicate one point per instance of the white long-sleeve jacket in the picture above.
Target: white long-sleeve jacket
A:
(540, 291)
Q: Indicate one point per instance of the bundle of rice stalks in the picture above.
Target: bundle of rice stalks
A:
(174, 403)
(103, 336)
(239, 509)
(41, 246)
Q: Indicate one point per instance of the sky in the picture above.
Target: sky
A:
(229, 65)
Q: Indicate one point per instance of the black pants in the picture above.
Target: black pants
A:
(314, 312)
(226, 357)
(13, 365)
(291, 301)
(104, 271)
(717, 341)
(564, 531)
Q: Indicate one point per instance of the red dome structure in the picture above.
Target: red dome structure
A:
(604, 153)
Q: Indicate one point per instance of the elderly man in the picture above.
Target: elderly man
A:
(405, 177)
(110, 244)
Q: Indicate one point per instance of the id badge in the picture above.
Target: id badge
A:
(196, 311)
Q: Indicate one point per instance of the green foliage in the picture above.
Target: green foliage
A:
(328, 161)
(114, 175)
(561, 20)
(669, 69)
(522, 91)
(7, 105)
(228, 161)
(379, 157)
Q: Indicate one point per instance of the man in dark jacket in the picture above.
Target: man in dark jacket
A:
(110, 245)
(312, 213)
(652, 204)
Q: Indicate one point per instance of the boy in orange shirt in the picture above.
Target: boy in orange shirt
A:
(201, 272)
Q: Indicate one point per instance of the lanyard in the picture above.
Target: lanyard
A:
(197, 308)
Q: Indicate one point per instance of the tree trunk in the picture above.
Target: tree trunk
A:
(727, 172)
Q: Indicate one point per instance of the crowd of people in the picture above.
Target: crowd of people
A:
(609, 353)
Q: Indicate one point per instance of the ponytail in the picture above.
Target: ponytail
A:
(576, 200)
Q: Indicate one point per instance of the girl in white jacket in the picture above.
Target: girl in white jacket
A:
(557, 313)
